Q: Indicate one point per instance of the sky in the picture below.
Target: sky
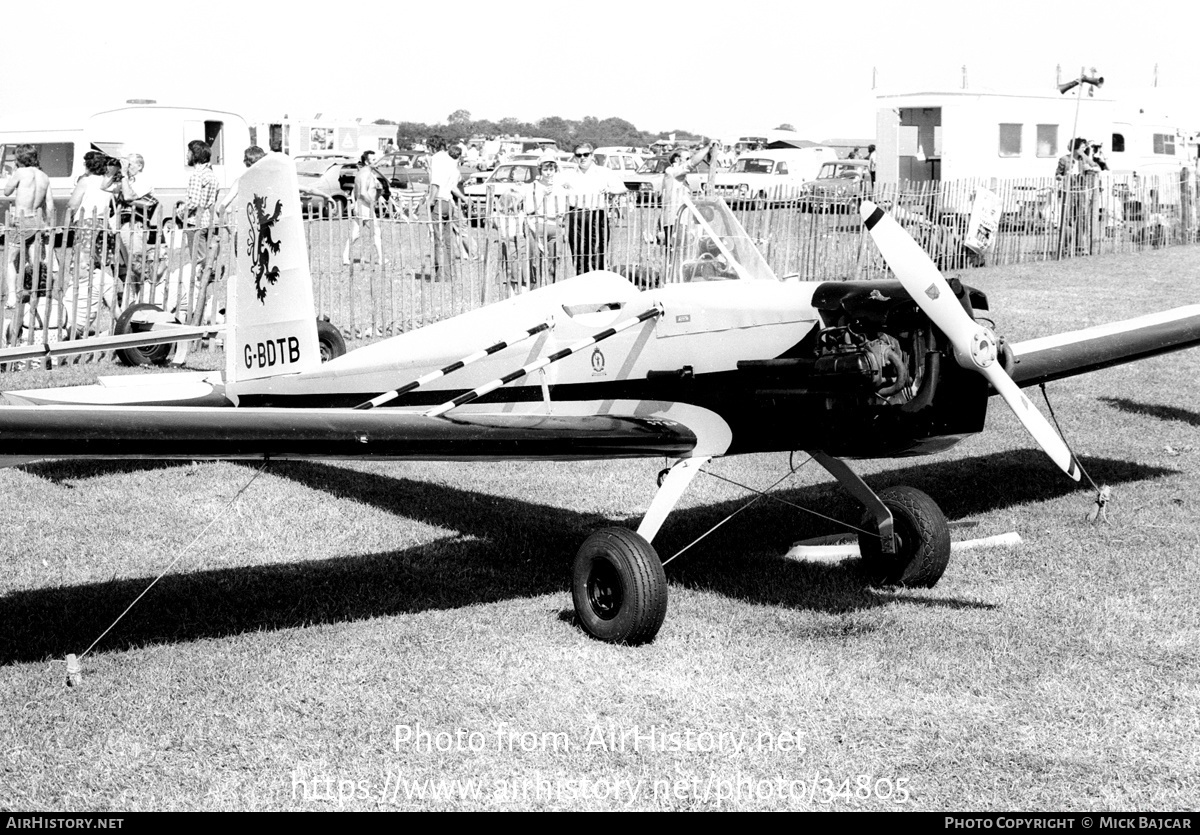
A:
(723, 69)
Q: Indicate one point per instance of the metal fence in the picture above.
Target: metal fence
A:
(408, 268)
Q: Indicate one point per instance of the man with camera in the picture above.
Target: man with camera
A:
(135, 195)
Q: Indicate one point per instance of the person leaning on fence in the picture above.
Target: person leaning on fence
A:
(197, 213)
(545, 205)
(675, 190)
(91, 202)
(443, 180)
(872, 164)
(1075, 177)
(458, 226)
(509, 221)
(366, 194)
(588, 224)
(32, 212)
(89, 209)
(250, 156)
(135, 201)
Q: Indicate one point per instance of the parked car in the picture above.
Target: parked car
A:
(772, 174)
(509, 177)
(405, 169)
(327, 184)
(646, 183)
(621, 160)
(839, 187)
(321, 192)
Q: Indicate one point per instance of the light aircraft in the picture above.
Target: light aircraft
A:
(723, 358)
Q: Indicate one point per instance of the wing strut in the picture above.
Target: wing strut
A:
(528, 333)
(475, 394)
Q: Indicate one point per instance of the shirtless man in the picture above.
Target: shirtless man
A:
(366, 192)
(32, 211)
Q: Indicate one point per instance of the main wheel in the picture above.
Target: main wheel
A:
(331, 341)
(147, 354)
(619, 587)
(922, 541)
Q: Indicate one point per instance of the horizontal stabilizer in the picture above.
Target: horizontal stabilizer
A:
(161, 335)
(44, 432)
(1091, 349)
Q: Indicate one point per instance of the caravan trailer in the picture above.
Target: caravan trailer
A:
(970, 134)
(159, 133)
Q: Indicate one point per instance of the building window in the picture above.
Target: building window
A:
(1047, 140)
(1010, 140)
(1118, 143)
(1164, 143)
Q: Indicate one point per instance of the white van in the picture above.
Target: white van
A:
(774, 174)
(160, 134)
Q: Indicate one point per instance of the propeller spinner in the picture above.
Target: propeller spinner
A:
(975, 346)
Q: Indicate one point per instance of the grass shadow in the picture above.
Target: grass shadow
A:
(509, 548)
(1161, 412)
(62, 473)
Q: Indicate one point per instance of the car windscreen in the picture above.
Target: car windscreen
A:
(512, 174)
(653, 166)
(831, 170)
(313, 167)
(754, 165)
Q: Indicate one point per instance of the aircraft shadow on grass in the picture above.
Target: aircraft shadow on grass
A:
(509, 548)
(1153, 410)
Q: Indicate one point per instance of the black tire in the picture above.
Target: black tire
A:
(147, 355)
(330, 340)
(922, 541)
(619, 587)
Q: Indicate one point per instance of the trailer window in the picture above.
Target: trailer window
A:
(1164, 143)
(1010, 140)
(214, 135)
(1047, 140)
(55, 158)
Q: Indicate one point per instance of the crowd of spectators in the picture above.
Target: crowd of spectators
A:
(115, 238)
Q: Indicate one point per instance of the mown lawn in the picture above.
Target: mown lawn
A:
(323, 618)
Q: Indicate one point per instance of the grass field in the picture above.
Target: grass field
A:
(386, 636)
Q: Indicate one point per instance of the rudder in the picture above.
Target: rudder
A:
(272, 328)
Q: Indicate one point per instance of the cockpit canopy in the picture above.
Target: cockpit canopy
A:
(709, 244)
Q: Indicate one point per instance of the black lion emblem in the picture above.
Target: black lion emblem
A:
(262, 244)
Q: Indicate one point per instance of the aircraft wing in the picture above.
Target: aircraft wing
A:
(45, 432)
(1078, 352)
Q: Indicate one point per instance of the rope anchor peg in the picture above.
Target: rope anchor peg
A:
(1100, 514)
(74, 671)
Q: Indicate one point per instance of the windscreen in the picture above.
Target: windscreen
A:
(709, 244)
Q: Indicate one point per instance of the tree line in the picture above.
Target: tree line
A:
(459, 126)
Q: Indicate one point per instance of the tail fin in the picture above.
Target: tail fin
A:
(272, 327)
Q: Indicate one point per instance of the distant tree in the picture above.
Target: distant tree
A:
(785, 126)
(509, 126)
(411, 133)
(383, 122)
(459, 118)
(614, 131)
(557, 128)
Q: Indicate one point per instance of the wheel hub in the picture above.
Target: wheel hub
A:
(604, 590)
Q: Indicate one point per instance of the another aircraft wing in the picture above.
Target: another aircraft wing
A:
(1078, 352)
(50, 432)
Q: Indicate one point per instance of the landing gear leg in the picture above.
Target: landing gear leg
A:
(912, 548)
(853, 484)
(618, 584)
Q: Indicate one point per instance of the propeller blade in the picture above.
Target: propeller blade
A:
(975, 346)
